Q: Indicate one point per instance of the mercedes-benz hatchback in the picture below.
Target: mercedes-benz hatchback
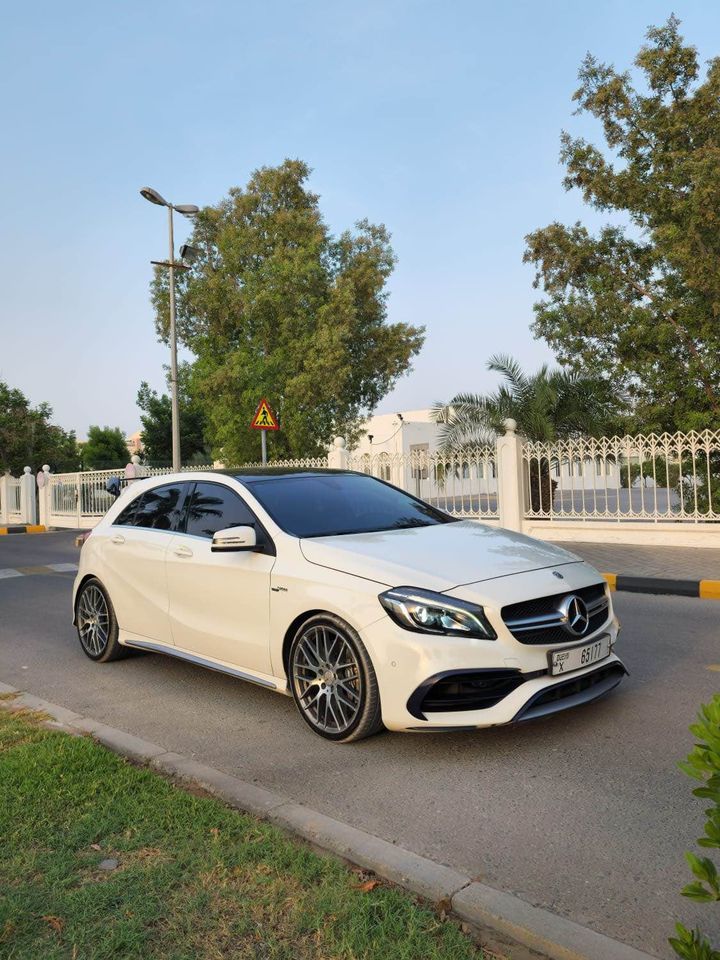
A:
(370, 607)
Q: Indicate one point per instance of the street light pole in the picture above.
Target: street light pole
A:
(188, 210)
(175, 416)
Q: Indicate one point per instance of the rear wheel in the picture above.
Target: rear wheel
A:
(96, 623)
(333, 681)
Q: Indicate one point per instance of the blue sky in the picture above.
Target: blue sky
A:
(439, 119)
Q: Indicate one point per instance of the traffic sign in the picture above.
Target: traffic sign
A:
(264, 418)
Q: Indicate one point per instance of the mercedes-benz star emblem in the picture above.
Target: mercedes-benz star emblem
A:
(575, 616)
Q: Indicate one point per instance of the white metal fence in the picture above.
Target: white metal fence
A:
(462, 483)
(668, 477)
(13, 509)
(309, 463)
(14, 502)
(646, 488)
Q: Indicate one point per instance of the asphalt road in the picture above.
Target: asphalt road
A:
(584, 814)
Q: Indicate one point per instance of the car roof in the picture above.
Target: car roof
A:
(244, 475)
(253, 474)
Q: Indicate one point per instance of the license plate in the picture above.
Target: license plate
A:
(575, 658)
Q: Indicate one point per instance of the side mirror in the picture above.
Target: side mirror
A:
(234, 539)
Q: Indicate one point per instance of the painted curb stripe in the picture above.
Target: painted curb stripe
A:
(681, 588)
(710, 589)
(24, 528)
(705, 589)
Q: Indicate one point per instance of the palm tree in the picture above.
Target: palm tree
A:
(548, 405)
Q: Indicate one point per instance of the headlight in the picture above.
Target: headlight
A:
(428, 612)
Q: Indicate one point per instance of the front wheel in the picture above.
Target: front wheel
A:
(96, 623)
(333, 681)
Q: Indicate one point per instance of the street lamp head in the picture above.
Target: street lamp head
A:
(153, 196)
(191, 254)
(188, 209)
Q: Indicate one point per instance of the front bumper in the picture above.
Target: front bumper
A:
(513, 677)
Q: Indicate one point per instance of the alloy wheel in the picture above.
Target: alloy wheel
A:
(93, 620)
(327, 678)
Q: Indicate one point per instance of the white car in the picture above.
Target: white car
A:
(370, 607)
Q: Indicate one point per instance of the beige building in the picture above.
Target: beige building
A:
(134, 443)
(411, 431)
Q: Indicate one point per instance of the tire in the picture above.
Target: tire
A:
(97, 624)
(333, 681)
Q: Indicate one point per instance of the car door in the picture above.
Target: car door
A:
(134, 554)
(219, 603)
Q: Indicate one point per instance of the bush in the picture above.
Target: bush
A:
(703, 764)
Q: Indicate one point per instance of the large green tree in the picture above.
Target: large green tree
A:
(104, 448)
(28, 438)
(156, 419)
(277, 306)
(638, 302)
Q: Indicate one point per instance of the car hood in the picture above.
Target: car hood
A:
(438, 558)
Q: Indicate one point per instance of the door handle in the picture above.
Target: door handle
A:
(118, 538)
(183, 552)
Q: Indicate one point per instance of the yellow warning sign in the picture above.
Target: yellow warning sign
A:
(264, 418)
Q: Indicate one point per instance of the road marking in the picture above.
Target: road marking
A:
(713, 666)
(50, 568)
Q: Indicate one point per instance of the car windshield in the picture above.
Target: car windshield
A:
(334, 504)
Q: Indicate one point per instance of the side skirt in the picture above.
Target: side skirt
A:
(202, 662)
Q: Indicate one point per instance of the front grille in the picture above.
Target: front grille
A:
(538, 621)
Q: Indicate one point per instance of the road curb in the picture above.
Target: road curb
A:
(23, 528)
(704, 589)
(538, 929)
(502, 920)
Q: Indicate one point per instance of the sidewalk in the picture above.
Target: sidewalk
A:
(682, 563)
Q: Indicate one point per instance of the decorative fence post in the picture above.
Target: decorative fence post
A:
(511, 482)
(338, 457)
(43, 483)
(28, 505)
(139, 468)
(4, 498)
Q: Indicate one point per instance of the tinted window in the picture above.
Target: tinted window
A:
(127, 516)
(159, 508)
(215, 507)
(321, 506)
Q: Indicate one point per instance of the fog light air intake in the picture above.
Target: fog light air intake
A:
(456, 690)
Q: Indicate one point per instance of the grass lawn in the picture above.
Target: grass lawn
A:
(194, 878)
